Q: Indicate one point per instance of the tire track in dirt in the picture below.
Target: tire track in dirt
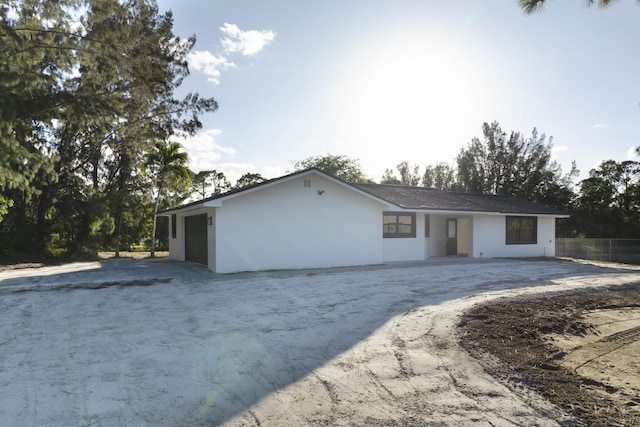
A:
(585, 355)
(377, 380)
(404, 365)
(436, 374)
(461, 385)
(330, 389)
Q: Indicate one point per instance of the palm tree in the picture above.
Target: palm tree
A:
(530, 6)
(166, 165)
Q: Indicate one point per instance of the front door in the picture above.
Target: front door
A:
(452, 236)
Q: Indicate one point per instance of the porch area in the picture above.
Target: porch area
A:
(436, 235)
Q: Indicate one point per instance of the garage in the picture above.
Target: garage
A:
(195, 227)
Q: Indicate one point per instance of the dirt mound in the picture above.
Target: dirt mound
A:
(578, 349)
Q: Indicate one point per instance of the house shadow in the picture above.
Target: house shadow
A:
(196, 348)
(90, 274)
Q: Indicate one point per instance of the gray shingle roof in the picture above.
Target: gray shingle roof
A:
(418, 198)
(433, 199)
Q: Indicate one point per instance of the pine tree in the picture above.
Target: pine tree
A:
(85, 90)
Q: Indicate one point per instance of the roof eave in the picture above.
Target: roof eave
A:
(473, 212)
(183, 209)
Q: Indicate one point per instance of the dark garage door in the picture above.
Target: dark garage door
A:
(195, 229)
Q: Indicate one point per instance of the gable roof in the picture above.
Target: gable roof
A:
(432, 199)
(413, 198)
(218, 199)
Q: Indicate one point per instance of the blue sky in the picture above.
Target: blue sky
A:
(389, 81)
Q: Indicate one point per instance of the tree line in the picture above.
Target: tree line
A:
(88, 106)
(606, 204)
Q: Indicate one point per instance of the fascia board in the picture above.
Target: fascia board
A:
(182, 210)
(454, 212)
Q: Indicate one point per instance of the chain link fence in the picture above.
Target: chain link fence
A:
(616, 250)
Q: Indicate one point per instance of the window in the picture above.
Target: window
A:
(522, 230)
(396, 224)
(173, 226)
(427, 230)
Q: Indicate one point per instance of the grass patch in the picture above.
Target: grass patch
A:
(132, 254)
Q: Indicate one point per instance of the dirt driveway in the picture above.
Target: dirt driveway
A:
(155, 343)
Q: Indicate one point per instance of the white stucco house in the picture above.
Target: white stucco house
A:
(309, 219)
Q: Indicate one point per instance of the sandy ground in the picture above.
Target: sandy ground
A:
(609, 351)
(579, 348)
(157, 343)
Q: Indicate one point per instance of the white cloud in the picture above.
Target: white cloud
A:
(248, 43)
(598, 125)
(270, 172)
(632, 153)
(559, 149)
(203, 149)
(209, 64)
(556, 150)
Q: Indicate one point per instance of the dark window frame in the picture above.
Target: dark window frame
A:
(174, 226)
(397, 234)
(517, 235)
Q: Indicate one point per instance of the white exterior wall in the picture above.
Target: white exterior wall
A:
(427, 240)
(464, 236)
(438, 235)
(406, 248)
(289, 226)
(176, 246)
(211, 240)
(489, 238)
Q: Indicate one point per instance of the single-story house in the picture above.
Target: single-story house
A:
(309, 219)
